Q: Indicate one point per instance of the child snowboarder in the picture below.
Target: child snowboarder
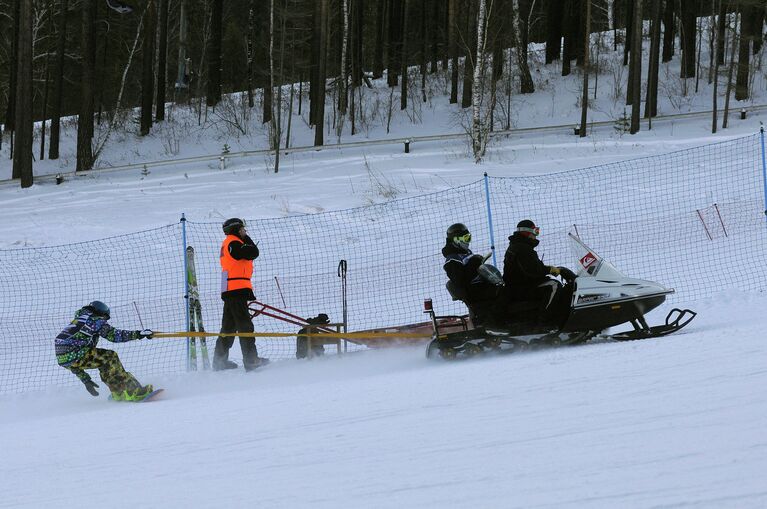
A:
(76, 350)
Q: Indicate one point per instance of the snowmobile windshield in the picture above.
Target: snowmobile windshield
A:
(590, 264)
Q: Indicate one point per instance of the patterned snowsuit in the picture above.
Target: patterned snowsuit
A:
(76, 350)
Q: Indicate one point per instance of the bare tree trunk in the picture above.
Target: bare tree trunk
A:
(49, 6)
(731, 68)
(274, 142)
(526, 80)
(380, 39)
(453, 49)
(394, 42)
(358, 53)
(214, 54)
(268, 110)
(147, 67)
(162, 60)
(181, 89)
(343, 74)
(651, 102)
(636, 66)
(567, 34)
(668, 31)
(688, 38)
(323, 36)
(721, 26)
(554, 30)
(715, 33)
(85, 158)
(424, 51)
(314, 80)
(22, 157)
(404, 55)
(98, 79)
(468, 63)
(699, 42)
(747, 17)
(58, 84)
(586, 55)
(250, 48)
(10, 115)
(477, 129)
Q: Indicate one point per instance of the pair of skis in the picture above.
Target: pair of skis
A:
(195, 315)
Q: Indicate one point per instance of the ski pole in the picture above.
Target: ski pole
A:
(139, 315)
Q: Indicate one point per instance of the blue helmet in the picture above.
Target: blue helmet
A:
(99, 308)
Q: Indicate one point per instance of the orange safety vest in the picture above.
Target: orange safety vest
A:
(235, 274)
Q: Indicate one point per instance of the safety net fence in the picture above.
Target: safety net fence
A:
(692, 220)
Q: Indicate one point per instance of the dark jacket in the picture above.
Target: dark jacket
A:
(244, 250)
(522, 269)
(461, 267)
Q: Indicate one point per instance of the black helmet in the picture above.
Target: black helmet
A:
(99, 308)
(528, 227)
(456, 230)
(232, 226)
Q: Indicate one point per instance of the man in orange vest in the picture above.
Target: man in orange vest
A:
(237, 254)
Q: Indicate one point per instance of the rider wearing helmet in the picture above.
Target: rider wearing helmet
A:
(237, 254)
(76, 350)
(525, 275)
(461, 266)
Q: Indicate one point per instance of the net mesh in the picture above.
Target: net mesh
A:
(692, 220)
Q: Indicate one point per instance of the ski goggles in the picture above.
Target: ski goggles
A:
(466, 237)
(535, 231)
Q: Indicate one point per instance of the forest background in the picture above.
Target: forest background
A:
(108, 64)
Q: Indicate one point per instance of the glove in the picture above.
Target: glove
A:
(146, 334)
(475, 261)
(91, 386)
(566, 274)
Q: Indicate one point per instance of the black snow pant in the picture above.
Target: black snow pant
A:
(236, 319)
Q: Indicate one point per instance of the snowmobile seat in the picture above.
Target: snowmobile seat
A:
(479, 311)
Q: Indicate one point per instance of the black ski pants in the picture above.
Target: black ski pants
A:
(236, 319)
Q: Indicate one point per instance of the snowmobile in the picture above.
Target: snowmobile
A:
(598, 298)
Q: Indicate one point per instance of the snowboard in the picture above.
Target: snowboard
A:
(149, 397)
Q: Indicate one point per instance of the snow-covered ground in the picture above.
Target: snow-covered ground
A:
(671, 422)
(674, 422)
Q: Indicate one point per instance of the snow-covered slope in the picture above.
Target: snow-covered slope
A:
(658, 423)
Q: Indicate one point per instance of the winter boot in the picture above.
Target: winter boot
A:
(221, 365)
(258, 362)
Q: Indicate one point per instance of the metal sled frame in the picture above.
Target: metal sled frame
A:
(675, 320)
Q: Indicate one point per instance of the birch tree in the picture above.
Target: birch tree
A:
(478, 130)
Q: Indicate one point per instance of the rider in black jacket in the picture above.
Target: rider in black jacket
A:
(526, 277)
(461, 268)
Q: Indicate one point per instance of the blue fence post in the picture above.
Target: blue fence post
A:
(764, 170)
(490, 219)
(189, 344)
